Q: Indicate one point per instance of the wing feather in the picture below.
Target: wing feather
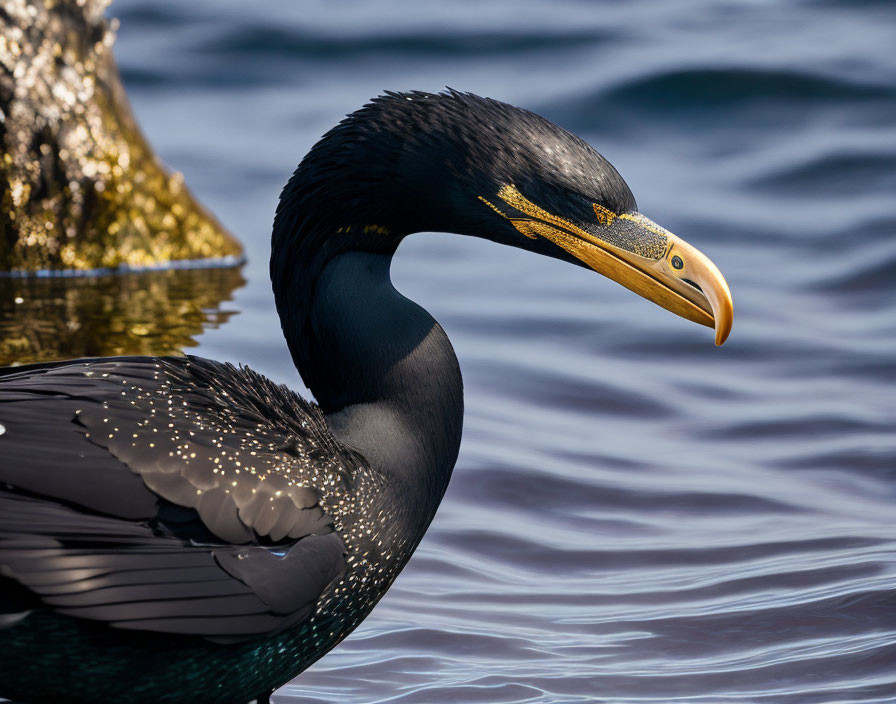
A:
(127, 575)
(142, 493)
(244, 453)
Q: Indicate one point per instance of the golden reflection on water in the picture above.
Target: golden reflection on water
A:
(153, 313)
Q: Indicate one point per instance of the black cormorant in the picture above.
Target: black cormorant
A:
(174, 529)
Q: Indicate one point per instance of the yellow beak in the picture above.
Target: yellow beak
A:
(665, 270)
(684, 280)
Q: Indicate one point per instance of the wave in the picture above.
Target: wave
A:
(736, 87)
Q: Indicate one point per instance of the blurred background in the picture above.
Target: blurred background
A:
(636, 515)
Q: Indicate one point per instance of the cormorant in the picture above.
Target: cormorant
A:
(174, 529)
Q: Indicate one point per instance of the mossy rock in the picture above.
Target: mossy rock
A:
(80, 187)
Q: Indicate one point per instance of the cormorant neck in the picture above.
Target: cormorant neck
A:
(381, 368)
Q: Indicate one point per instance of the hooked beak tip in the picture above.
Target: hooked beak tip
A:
(722, 313)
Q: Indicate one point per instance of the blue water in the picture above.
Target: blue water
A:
(636, 516)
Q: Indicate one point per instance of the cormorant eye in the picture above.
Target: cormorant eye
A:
(677, 263)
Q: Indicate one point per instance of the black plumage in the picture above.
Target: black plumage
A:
(184, 476)
(179, 530)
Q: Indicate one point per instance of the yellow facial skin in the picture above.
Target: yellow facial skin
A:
(659, 272)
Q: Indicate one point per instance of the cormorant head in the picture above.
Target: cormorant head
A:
(455, 162)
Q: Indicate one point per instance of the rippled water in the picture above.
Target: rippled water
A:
(636, 516)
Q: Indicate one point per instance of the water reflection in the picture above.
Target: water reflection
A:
(155, 312)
